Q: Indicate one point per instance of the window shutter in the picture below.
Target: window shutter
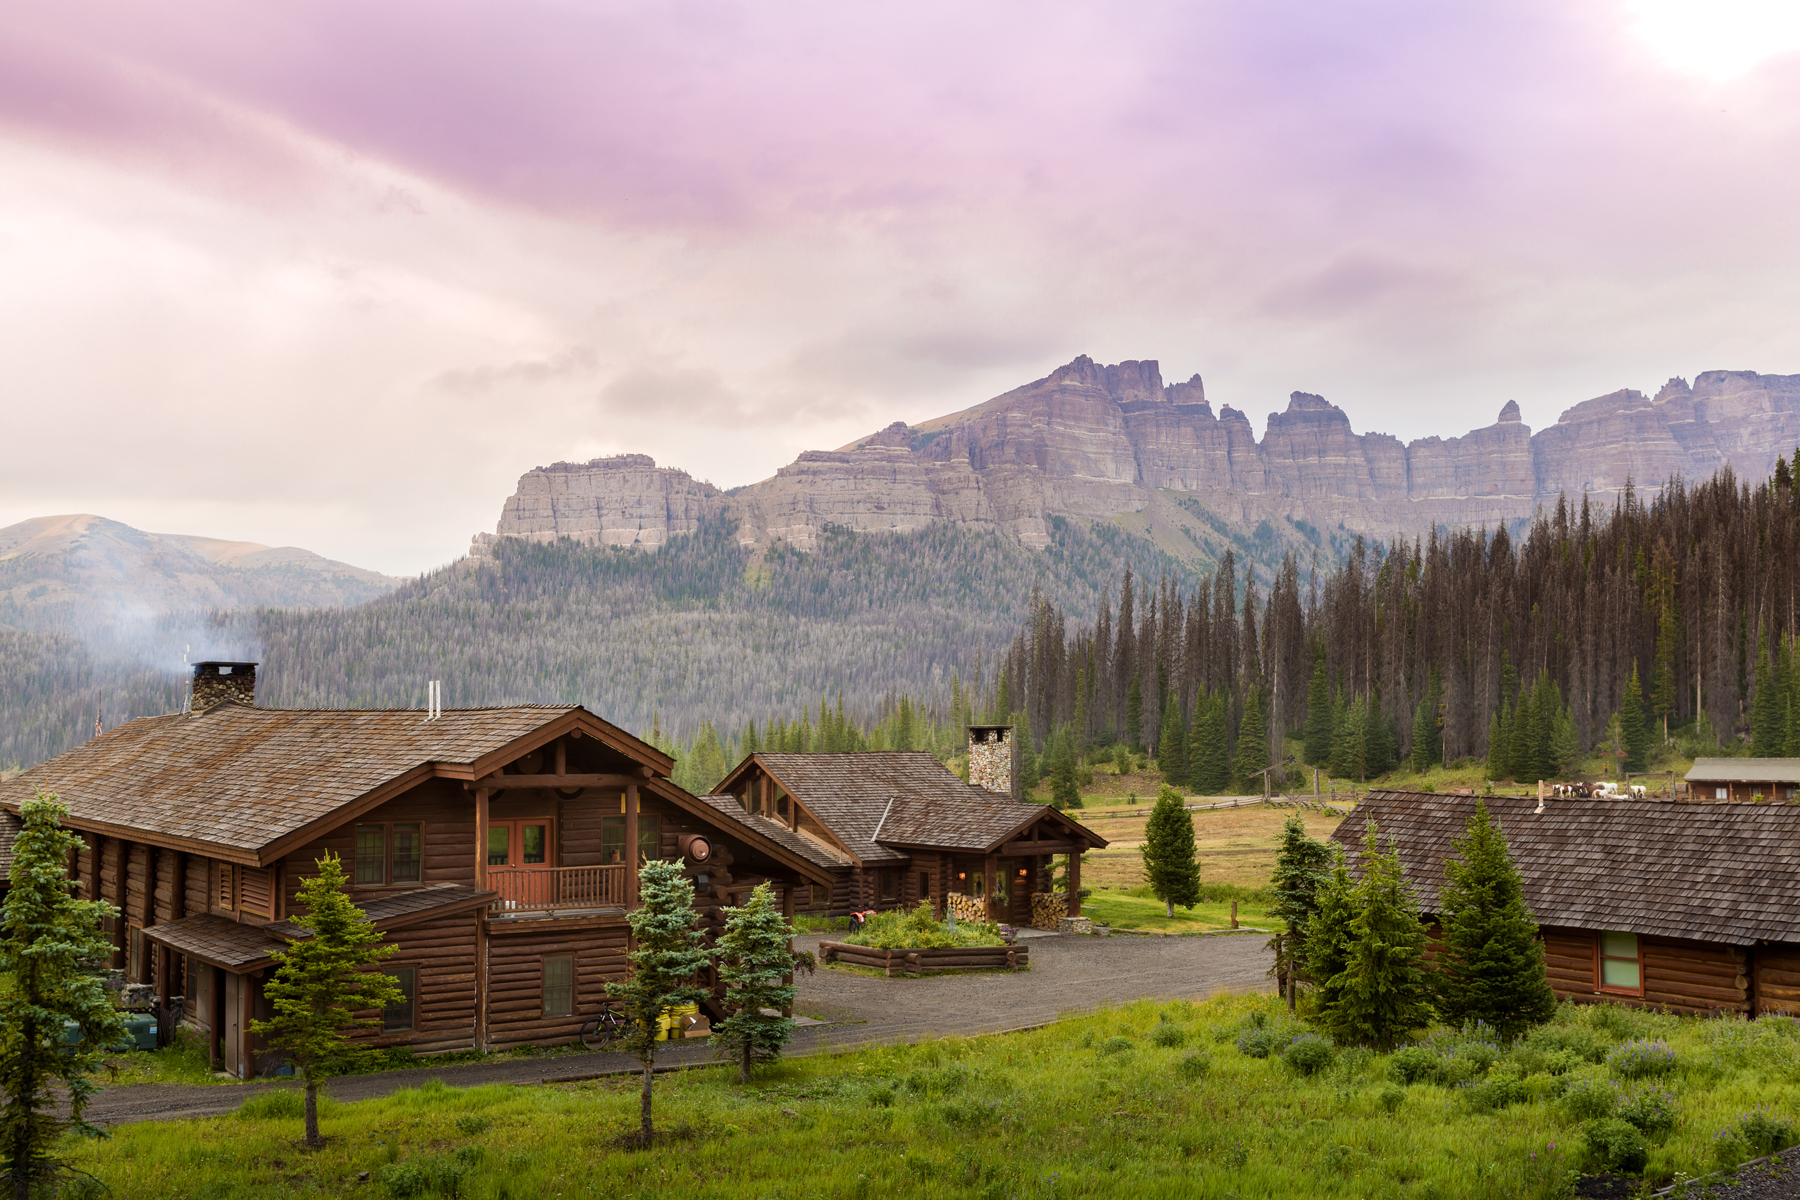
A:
(224, 886)
(256, 891)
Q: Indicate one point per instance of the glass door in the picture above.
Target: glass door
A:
(519, 843)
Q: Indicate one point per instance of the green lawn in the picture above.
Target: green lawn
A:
(1137, 908)
(1150, 1100)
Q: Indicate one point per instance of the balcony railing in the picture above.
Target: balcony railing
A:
(524, 889)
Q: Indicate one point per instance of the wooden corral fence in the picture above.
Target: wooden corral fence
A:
(928, 962)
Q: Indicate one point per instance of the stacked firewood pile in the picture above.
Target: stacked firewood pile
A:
(1047, 908)
(967, 908)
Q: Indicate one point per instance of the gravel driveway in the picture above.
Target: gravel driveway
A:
(1069, 974)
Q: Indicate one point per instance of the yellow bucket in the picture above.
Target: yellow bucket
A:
(668, 1026)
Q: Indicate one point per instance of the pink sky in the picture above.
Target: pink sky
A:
(334, 274)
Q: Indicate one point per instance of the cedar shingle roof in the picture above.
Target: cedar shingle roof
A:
(901, 798)
(214, 939)
(243, 778)
(811, 850)
(226, 943)
(1707, 872)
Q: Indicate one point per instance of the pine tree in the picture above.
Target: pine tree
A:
(1064, 792)
(1662, 672)
(1210, 769)
(669, 954)
(1171, 753)
(751, 744)
(1382, 992)
(1302, 870)
(1349, 758)
(1253, 742)
(1499, 759)
(1521, 763)
(756, 964)
(1632, 727)
(320, 985)
(1328, 933)
(1565, 744)
(1134, 715)
(50, 950)
(1491, 967)
(1318, 715)
(1767, 732)
(1171, 865)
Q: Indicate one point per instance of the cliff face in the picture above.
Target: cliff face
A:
(1105, 441)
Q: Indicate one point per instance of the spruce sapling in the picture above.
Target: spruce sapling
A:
(756, 964)
(1302, 870)
(669, 955)
(1492, 967)
(320, 985)
(1382, 993)
(50, 950)
(1170, 863)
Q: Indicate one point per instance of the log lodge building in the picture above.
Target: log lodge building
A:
(495, 847)
(1685, 908)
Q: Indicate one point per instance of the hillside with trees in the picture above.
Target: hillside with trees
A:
(1610, 626)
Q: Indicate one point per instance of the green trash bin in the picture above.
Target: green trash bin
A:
(140, 1033)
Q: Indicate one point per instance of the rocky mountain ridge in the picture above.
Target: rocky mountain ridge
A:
(1114, 442)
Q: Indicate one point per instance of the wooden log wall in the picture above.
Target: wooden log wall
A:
(446, 815)
(1776, 978)
(516, 952)
(1679, 976)
(928, 962)
(442, 952)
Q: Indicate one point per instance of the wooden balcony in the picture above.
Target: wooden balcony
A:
(530, 889)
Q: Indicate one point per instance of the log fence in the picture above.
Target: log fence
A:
(928, 962)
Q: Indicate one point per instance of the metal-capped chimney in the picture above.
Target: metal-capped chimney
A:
(994, 759)
(216, 682)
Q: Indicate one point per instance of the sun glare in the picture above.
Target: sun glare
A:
(1717, 39)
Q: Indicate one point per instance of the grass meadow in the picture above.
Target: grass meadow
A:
(1149, 1100)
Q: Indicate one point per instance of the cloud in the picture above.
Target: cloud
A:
(397, 254)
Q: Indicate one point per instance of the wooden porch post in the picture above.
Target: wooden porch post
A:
(1075, 883)
(992, 869)
(787, 915)
(631, 846)
(481, 989)
(247, 1014)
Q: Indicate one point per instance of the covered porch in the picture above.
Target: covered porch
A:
(1005, 873)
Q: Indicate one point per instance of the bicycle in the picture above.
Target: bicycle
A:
(603, 1031)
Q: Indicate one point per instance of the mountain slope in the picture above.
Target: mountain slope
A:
(1115, 443)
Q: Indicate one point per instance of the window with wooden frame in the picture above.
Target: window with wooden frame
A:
(924, 885)
(389, 853)
(405, 1015)
(890, 885)
(134, 954)
(1619, 964)
(225, 886)
(559, 985)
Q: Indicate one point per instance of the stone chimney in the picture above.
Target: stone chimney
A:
(217, 682)
(994, 759)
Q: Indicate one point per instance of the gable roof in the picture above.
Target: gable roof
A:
(1706, 872)
(811, 849)
(1744, 770)
(242, 782)
(875, 800)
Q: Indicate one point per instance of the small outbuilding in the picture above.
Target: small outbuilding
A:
(1747, 779)
(1654, 903)
(898, 827)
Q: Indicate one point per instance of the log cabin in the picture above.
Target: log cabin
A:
(1683, 908)
(497, 849)
(1746, 779)
(900, 827)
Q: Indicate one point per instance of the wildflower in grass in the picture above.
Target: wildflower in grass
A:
(1639, 1058)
